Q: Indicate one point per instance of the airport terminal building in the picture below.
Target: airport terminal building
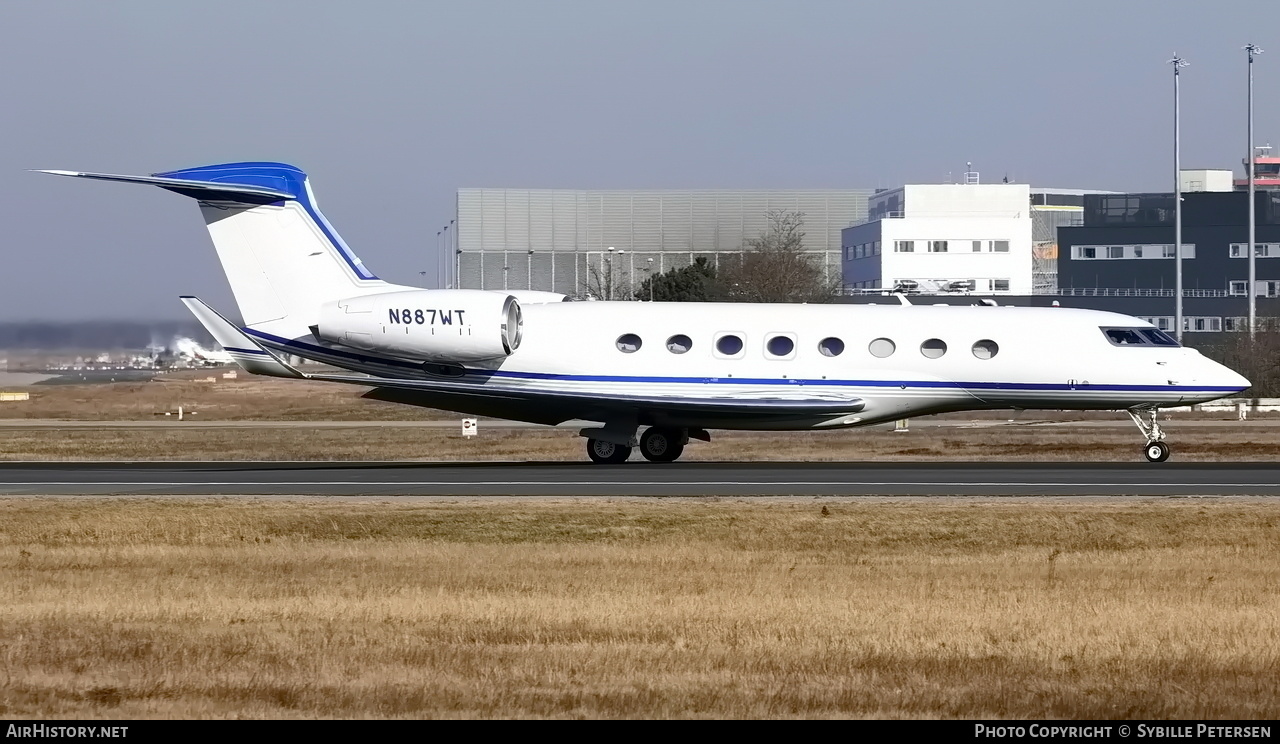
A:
(1122, 258)
(560, 240)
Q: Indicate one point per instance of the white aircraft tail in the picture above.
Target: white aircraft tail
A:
(281, 256)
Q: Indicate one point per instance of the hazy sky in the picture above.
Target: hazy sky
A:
(392, 106)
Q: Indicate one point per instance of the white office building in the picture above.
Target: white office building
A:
(943, 237)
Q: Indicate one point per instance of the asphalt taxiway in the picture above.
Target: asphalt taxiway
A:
(498, 479)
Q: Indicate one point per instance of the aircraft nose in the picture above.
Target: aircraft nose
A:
(1225, 377)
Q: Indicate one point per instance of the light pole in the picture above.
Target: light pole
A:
(608, 275)
(650, 260)
(1253, 50)
(528, 281)
(440, 259)
(439, 249)
(1178, 63)
(630, 272)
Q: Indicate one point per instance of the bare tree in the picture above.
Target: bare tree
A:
(774, 267)
(1257, 359)
(603, 282)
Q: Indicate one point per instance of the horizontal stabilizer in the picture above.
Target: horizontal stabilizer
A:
(203, 190)
(244, 350)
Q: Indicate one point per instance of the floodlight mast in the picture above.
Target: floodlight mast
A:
(1252, 50)
(1178, 63)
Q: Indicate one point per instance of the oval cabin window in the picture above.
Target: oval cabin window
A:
(780, 346)
(679, 344)
(831, 347)
(729, 345)
(985, 349)
(933, 348)
(882, 347)
(629, 343)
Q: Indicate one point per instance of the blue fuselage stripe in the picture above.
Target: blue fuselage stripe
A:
(478, 374)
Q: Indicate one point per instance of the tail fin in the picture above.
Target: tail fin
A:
(281, 256)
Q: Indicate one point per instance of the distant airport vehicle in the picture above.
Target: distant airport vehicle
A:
(676, 369)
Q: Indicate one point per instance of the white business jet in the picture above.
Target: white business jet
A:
(677, 369)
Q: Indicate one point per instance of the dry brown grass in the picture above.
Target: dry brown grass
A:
(639, 608)
(1090, 444)
(246, 398)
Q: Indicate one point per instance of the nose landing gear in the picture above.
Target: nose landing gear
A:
(1145, 418)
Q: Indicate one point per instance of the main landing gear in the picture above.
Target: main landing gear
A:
(658, 444)
(607, 453)
(662, 445)
(1145, 418)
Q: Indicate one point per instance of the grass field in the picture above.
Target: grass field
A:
(245, 398)
(879, 444)
(602, 608)
(258, 401)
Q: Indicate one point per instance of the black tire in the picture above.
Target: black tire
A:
(1156, 452)
(661, 445)
(607, 453)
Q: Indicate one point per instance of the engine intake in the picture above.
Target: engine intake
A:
(436, 325)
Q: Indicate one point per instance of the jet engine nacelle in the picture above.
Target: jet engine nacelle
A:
(440, 325)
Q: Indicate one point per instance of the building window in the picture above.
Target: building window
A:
(977, 246)
(999, 285)
(937, 246)
(1201, 324)
(1238, 289)
(904, 246)
(1268, 289)
(875, 248)
(1260, 250)
(1000, 246)
(1119, 252)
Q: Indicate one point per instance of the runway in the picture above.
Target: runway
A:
(497, 479)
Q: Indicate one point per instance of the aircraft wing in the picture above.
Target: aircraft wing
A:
(553, 406)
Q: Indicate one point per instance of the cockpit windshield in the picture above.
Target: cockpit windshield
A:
(1138, 337)
(1158, 337)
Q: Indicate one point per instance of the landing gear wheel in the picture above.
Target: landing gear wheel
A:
(1157, 451)
(607, 453)
(661, 445)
